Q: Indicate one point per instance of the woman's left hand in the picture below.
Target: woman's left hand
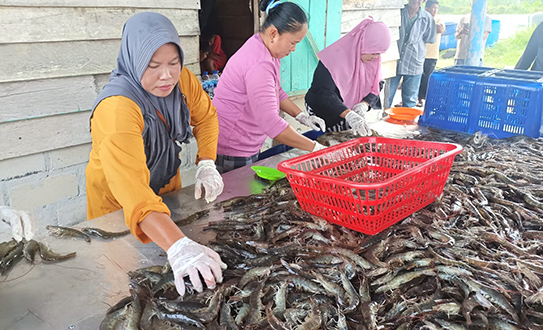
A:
(361, 108)
(314, 122)
(210, 179)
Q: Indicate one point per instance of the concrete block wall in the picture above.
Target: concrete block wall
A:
(50, 186)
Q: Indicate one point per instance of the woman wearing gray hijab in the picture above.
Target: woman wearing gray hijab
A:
(138, 123)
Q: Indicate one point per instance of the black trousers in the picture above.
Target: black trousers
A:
(429, 66)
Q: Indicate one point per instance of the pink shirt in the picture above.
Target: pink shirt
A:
(247, 100)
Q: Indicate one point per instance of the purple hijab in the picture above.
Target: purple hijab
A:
(355, 79)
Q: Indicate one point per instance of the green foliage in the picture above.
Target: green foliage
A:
(504, 53)
(493, 6)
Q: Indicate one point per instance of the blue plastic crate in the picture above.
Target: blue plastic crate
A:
(448, 100)
(500, 103)
(508, 103)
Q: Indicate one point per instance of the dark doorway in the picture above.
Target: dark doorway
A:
(232, 20)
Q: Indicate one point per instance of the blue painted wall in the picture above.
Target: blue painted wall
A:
(324, 29)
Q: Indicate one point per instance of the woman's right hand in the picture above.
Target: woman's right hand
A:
(190, 258)
(21, 224)
(358, 123)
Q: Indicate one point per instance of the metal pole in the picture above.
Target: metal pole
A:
(476, 40)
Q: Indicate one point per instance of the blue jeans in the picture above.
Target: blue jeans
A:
(410, 89)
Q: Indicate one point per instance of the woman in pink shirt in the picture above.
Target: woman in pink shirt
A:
(249, 94)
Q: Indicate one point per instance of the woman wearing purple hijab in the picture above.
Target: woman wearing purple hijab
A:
(346, 81)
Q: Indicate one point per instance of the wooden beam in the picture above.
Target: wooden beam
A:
(28, 137)
(174, 4)
(47, 97)
(391, 17)
(371, 4)
(65, 59)
(66, 24)
(256, 15)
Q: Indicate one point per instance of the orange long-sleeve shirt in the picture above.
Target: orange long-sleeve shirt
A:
(117, 176)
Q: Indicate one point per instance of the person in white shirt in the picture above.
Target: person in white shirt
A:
(462, 35)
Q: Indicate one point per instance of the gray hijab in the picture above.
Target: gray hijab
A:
(142, 35)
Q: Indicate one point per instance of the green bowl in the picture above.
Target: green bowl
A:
(268, 173)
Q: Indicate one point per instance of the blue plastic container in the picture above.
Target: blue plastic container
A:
(450, 28)
(500, 103)
(448, 41)
(449, 95)
(494, 34)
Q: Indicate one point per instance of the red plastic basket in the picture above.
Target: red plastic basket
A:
(370, 183)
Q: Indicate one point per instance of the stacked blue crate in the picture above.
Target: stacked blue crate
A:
(500, 103)
(510, 102)
(448, 100)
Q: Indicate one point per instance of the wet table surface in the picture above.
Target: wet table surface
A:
(74, 294)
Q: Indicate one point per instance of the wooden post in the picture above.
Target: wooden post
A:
(256, 16)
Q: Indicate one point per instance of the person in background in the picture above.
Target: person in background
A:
(249, 94)
(533, 54)
(416, 30)
(216, 57)
(462, 35)
(138, 123)
(432, 50)
(205, 49)
(346, 81)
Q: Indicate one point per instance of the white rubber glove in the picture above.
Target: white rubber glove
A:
(314, 122)
(210, 179)
(361, 108)
(21, 224)
(358, 123)
(187, 257)
(318, 147)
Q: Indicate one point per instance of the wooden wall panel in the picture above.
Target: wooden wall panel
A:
(63, 59)
(26, 137)
(42, 98)
(372, 4)
(388, 69)
(64, 24)
(351, 18)
(149, 4)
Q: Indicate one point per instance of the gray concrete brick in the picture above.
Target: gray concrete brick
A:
(13, 168)
(70, 156)
(81, 179)
(72, 211)
(28, 196)
(43, 216)
(3, 194)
